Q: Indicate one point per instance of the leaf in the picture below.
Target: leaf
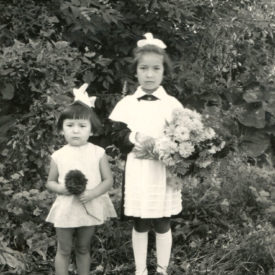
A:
(273, 194)
(8, 92)
(61, 44)
(7, 71)
(104, 62)
(40, 243)
(253, 95)
(16, 176)
(37, 211)
(6, 122)
(264, 193)
(270, 106)
(34, 191)
(11, 258)
(53, 19)
(59, 99)
(89, 77)
(90, 54)
(271, 209)
(253, 117)
(28, 228)
(255, 143)
(75, 2)
(5, 152)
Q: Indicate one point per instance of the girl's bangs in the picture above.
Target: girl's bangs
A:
(77, 111)
(80, 111)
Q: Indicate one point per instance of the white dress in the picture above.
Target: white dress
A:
(146, 193)
(68, 211)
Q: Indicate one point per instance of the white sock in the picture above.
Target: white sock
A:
(140, 243)
(164, 246)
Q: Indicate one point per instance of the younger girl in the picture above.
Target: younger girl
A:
(138, 120)
(72, 214)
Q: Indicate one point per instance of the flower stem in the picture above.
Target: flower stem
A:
(91, 214)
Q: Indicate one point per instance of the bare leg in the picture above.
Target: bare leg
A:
(82, 249)
(161, 225)
(64, 248)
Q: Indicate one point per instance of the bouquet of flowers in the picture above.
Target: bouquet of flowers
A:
(186, 145)
(75, 182)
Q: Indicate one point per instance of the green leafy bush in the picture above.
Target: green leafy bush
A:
(230, 253)
(223, 54)
(227, 227)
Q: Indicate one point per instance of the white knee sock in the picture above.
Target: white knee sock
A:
(163, 245)
(140, 243)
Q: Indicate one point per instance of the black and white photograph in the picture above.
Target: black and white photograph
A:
(137, 137)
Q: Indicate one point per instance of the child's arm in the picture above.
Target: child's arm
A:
(125, 139)
(119, 135)
(104, 186)
(52, 183)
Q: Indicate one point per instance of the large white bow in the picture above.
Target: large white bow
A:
(81, 95)
(150, 40)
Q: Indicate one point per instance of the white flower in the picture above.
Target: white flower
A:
(186, 149)
(165, 147)
(204, 163)
(193, 115)
(184, 134)
(181, 133)
(214, 149)
(169, 131)
(209, 133)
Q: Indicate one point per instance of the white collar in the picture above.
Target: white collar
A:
(160, 93)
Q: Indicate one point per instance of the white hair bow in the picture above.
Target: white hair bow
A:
(82, 96)
(150, 40)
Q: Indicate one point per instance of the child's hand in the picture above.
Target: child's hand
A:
(86, 196)
(149, 142)
(62, 190)
(145, 140)
(144, 149)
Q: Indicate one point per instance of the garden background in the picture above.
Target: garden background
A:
(223, 56)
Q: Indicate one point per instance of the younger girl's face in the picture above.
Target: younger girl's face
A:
(150, 71)
(76, 131)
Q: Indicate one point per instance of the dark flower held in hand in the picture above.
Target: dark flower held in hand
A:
(75, 182)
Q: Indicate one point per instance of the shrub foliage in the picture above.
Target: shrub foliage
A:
(223, 56)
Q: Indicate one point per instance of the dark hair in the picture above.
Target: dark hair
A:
(78, 110)
(139, 51)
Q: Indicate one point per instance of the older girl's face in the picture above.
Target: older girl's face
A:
(150, 71)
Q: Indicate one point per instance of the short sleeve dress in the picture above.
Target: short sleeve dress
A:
(68, 211)
(146, 194)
